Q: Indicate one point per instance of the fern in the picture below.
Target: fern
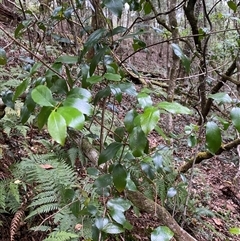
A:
(61, 236)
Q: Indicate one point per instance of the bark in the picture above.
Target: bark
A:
(207, 155)
(147, 205)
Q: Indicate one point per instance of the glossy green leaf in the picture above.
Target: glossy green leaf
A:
(147, 8)
(235, 116)
(221, 98)
(120, 218)
(149, 119)
(109, 153)
(103, 181)
(112, 228)
(232, 5)
(235, 231)
(192, 141)
(3, 57)
(79, 104)
(57, 127)
(128, 88)
(73, 117)
(80, 93)
(184, 59)
(84, 74)
(43, 116)
(20, 89)
(18, 31)
(102, 94)
(93, 39)
(161, 233)
(24, 114)
(119, 134)
(174, 108)
(119, 203)
(7, 98)
(144, 100)
(113, 77)
(115, 6)
(137, 141)
(67, 59)
(213, 137)
(42, 95)
(35, 68)
(138, 44)
(59, 86)
(99, 55)
(119, 177)
(171, 192)
(101, 222)
(148, 169)
(94, 79)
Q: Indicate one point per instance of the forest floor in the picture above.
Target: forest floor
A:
(217, 209)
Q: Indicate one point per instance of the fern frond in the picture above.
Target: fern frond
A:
(46, 208)
(61, 236)
(16, 222)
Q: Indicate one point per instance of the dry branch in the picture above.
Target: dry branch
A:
(206, 155)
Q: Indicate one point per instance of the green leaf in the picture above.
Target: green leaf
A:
(113, 77)
(94, 79)
(20, 89)
(119, 177)
(137, 141)
(128, 120)
(67, 59)
(235, 116)
(171, 192)
(144, 100)
(174, 108)
(161, 233)
(57, 127)
(184, 59)
(221, 98)
(43, 116)
(235, 231)
(149, 119)
(96, 59)
(147, 8)
(213, 137)
(3, 57)
(93, 39)
(109, 153)
(113, 228)
(119, 134)
(232, 5)
(79, 104)
(119, 203)
(73, 117)
(35, 68)
(7, 98)
(80, 93)
(148, 168)
(115, 6)
(42, 95)
(84, 73)
(103, 181)
(102, 94)
(192, 141)
(120, 218)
